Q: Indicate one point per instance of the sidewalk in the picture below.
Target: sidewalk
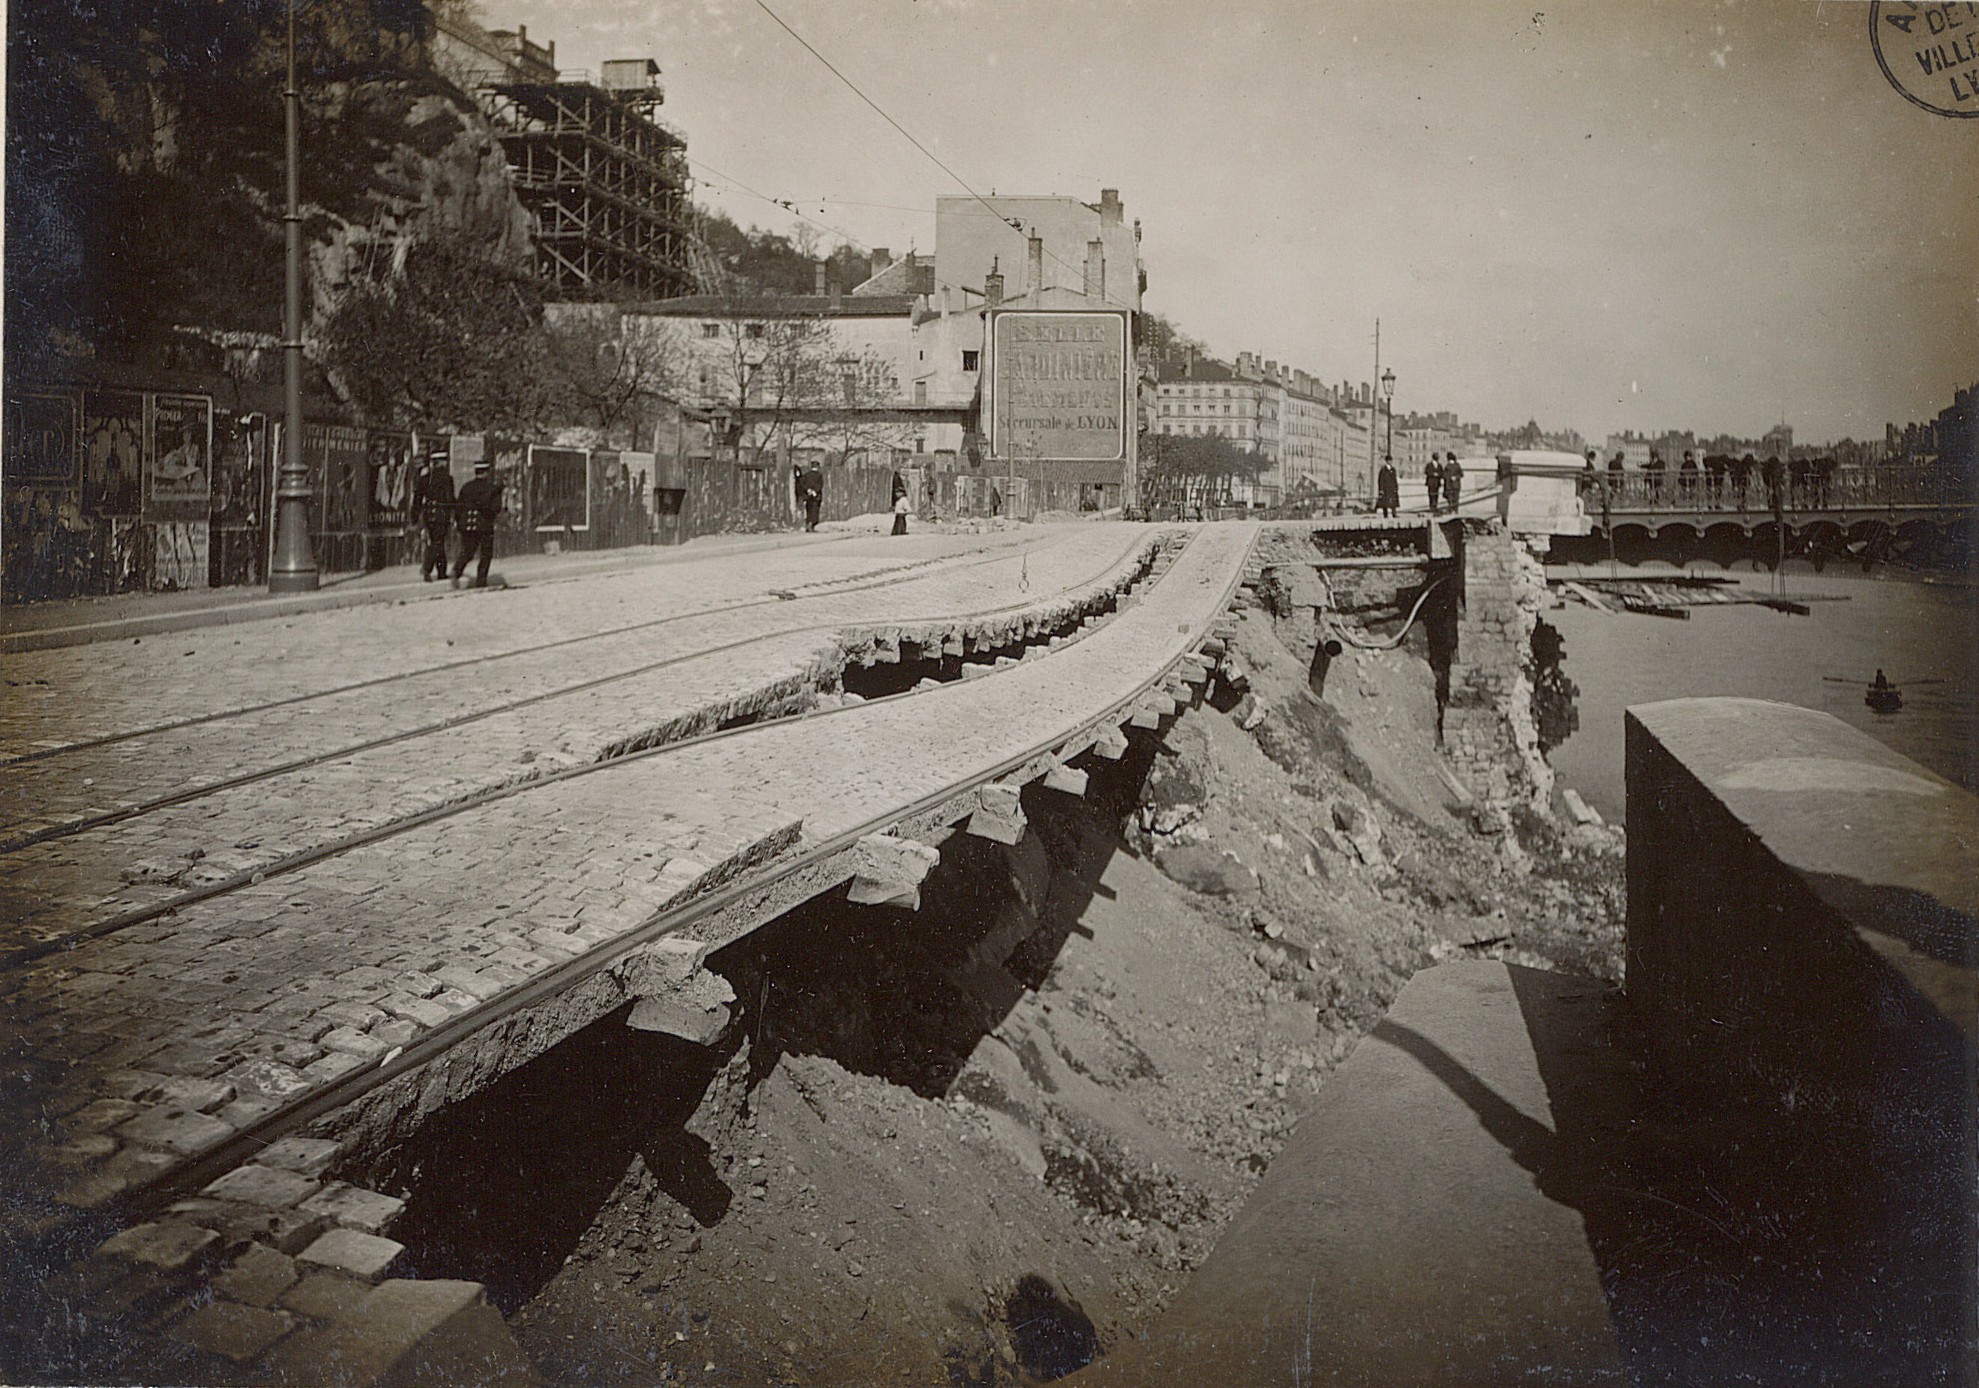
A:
(78, 621)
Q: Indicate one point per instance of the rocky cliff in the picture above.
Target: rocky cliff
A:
(145, 172)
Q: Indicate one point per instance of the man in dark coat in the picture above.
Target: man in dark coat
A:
(1387, 488)
(811, 491)
(479, 502)
(1432, 480)
(1687, 477)
(433, 503)
(1453, 482)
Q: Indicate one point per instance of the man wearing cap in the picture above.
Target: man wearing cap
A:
(433, 503)
(479, 502)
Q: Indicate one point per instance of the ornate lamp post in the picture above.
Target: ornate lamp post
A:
(1388, 389)
(294, 568)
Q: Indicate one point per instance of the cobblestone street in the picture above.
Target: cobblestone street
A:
(162, 1036)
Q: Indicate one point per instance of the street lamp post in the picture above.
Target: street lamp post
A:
(1388, 390)
(294, 567)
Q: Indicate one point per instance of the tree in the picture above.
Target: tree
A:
(610, 373)
(454, 340)
(786, 380)
(1188, 470)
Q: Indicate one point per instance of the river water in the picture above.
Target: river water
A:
(1914, 631)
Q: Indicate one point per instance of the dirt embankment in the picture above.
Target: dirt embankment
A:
(982, 1142)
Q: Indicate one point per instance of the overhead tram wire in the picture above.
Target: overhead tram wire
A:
(1011, 222)
(786, 205)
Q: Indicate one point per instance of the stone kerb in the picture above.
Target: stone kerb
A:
(1802, 949)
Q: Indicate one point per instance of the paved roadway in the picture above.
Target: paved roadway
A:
(137, 1050)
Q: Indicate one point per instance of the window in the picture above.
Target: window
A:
(920, 398)
(711, 330)
(971, 361)
(754, 330)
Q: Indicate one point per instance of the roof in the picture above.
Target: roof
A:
(911, 275)
(778, 306)
(1200, 369)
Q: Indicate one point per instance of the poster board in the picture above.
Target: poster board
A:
(178, 458)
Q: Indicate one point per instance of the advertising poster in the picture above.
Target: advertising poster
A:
(559, 497)
(390, 462)
(463, 452)
(240, 471)
(112, 452)
(510, 458)
(41, 433)
(178, 459)
(180, 558)
(339, 470)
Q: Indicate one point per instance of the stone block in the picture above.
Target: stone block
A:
(353, 1253)
(326, 1296)
(354, 1043)
(269, 1079)
(1065, 779)
(231, 1330)
(352, 1207)
(187, 1134)
(170, 1245)
(267, 1186)
(257, 1277)
(1111, 744)
(660, 966)
(101, 1115)
(309, 1156)
(422, 1011)
(193, 1095)
(696, 1010)
(407, 1334)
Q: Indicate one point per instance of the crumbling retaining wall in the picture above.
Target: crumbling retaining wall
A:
(1489, 732)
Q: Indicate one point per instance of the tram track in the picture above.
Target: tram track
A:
(123, 813)
(26, 953)
(750, 886)
(823, 588)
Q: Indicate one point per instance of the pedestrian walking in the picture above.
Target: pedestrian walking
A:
(1589, 475)
(1687, 478)
(1432, 480)
(1742, 477)
(479, 502)
(899, 504)
(1453, 482)
(811, 491)
(1387, 488)
(433, 503)
(1652, 472)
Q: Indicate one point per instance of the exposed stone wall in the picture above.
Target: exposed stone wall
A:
(1489, 733)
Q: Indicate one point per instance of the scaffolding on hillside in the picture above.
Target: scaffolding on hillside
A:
(607, 182)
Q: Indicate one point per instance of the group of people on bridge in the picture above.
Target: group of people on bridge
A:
(1442, 479)
(1720, 481)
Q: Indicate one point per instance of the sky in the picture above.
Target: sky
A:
(1708, 214)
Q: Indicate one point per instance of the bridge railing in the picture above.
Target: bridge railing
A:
(1749, 490)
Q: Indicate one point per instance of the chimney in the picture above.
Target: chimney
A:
(1109, 207)
(882, 257)
(1034, 265)
(818, 278)
(993, 284)
(1095, 269)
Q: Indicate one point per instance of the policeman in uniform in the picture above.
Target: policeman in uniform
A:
(480, 501)
(434, 501)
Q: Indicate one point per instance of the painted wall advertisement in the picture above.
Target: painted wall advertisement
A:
(1059, 385)
(178, 468)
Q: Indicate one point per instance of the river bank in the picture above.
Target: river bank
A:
(985, 1141)
(1822, 660)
